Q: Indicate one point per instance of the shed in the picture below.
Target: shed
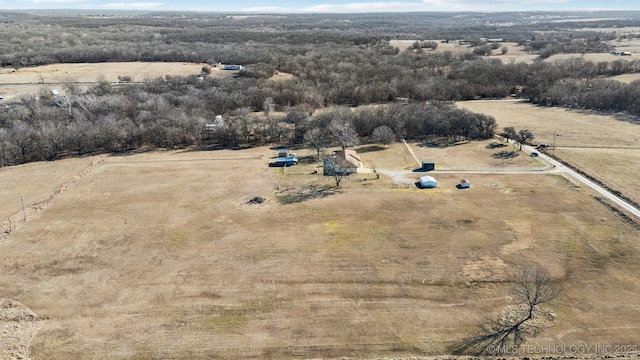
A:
(428, 165)
(282, 152)
(428, 182)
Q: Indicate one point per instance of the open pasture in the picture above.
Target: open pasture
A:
(36, 182)
(29, 80)
(618, 168)
(517, 53)
(160, 255)
(600, 145)
(577, 128)
(473, 155)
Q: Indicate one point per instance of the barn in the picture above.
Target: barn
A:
(428, 182)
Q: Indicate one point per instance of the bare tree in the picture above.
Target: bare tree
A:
(343, 132)
(335, 167)
(206, 69)
(316, 139)
(509, 133)
(525, 136)
(384, 135)
(531, 287)
(268, 106)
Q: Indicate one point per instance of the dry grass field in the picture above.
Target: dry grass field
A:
(160, 255)
(517, 54)
(30, 80)
(626, 78)
(35, 181)
(601, 145)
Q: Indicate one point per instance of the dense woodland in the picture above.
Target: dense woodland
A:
(347, 78)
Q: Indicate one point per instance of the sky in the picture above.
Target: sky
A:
(327, 6)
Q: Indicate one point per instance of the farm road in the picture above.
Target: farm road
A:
(599, 189)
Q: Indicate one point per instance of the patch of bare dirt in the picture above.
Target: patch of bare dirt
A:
(18, 326)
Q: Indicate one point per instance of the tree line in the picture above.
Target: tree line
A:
(51, 37)
(335, 75)
(172, 113)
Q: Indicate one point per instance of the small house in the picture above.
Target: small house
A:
(428, 182)
(343, 161)
(217, 123)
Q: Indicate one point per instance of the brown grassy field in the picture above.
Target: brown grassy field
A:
(30, 80)
(626, 78)
(516, 53)
(159, 255)
(36, 182)
(601, 145)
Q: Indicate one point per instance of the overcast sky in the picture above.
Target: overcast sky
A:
(328, 6)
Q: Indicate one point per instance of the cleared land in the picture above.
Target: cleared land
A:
(161, 255)
(603, 146)
(516, 53)
(626, 78)
(30, 80)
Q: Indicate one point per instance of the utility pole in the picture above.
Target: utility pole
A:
(24, 214)
(553, 152)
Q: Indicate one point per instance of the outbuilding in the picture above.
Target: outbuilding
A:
(428, 166)
(428, 182)
(286, 161)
